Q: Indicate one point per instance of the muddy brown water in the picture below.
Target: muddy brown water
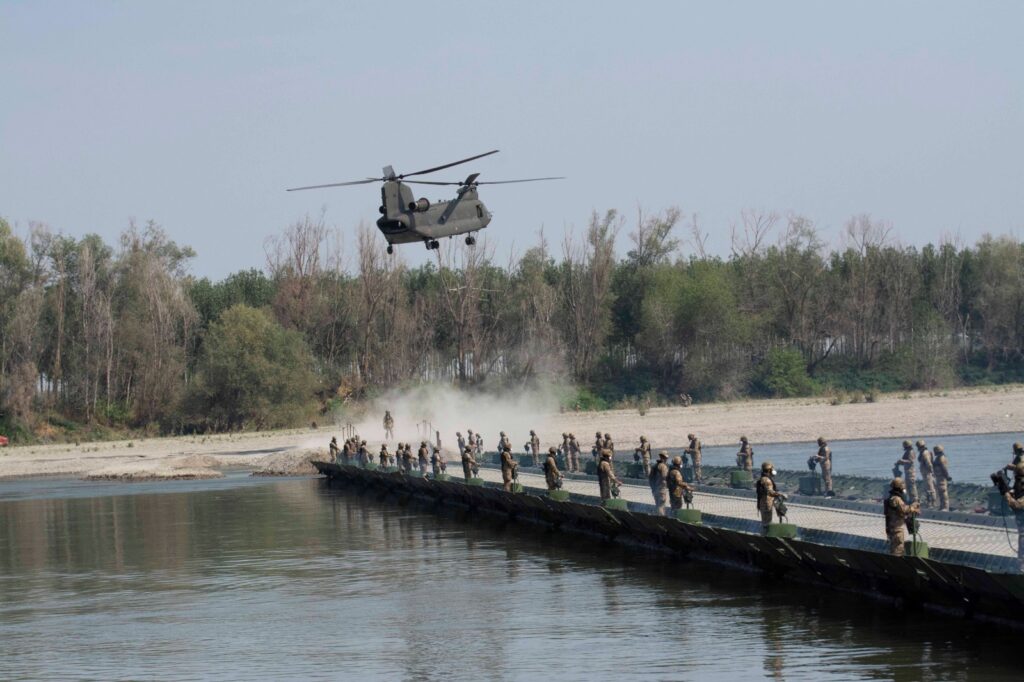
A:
(246, 579)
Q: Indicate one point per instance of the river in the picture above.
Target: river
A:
(245, 579)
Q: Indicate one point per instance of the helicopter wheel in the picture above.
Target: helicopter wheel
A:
(391, 249)
(470, 241)
(435, 245)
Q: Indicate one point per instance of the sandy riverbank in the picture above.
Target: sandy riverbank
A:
(965, 411)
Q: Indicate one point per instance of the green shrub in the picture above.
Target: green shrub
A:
(783, 374)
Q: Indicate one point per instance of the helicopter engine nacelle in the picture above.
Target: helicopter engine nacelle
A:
(419, 206)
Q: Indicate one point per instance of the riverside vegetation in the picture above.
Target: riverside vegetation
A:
(95, 337)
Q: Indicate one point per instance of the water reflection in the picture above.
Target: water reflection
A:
(292, 579)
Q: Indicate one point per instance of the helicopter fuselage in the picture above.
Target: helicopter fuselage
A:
(405, 219)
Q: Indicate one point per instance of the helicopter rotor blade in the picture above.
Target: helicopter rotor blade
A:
(448, 165)
(463, 183)
(508, 182)
(336, 184)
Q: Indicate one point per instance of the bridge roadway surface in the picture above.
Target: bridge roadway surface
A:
(945, 534)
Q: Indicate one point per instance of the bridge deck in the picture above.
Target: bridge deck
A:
(998, 541)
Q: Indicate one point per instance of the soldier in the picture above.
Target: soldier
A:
(766, 494)
(535, 447)
(423, 458)
(658, 478)
(897, 511)
(333, 447)
(504, 443)
(573, 459)
(745, 457)
(606, 475)
(824, 458)
(1018, 456)
(552, 476)
(384, 455)
(925, 459)
(907, 462)
(437, 462)
(598, 446)
(471, 440)
(479, 444)
(407, 459)
(693, 450)
(460, 440)
(1015, 500)
(364, 454)
(942, 477)
(643, 454)
(677, 485)
(564, 448)
(468, 463)
(389, 425)
(609, 444)
(508, 469)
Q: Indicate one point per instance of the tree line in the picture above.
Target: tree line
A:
(123, 335)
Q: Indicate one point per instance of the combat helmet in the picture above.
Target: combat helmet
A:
(552, 451)
(766, 467)
(743, 439)
(821, 440)
(677, 461)
(690, 436)
(920, 443)
(898, 484)
(1018, 447)
(938, 449)
(662, 455)
(907, 444)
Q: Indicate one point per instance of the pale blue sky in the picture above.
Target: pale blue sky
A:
(198, 115)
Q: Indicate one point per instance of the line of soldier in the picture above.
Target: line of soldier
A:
(934, 473)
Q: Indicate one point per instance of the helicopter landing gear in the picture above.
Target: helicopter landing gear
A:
(470, 241)
(391, 249)
(433, 244)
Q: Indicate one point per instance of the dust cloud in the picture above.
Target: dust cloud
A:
(421, 411)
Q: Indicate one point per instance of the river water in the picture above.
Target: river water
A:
(971, 458)
(251, 579)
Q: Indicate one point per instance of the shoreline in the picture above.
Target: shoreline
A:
(971, 411)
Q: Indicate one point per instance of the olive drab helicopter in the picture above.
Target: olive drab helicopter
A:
(405, 219)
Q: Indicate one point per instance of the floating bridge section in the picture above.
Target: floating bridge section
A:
(972, 570)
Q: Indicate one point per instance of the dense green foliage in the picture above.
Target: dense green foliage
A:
(251, 371)
(123, 336)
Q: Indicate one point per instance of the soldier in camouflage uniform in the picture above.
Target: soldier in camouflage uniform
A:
(508, 469)
(897, 511)
(382, 458)
(745, 457)
(437, 463)
(1018, 456)
(609, 444)
(552, 476)
(364, 454)
(942, 477)
(572, 461)
(642, 454)
(389, 425)
(407, 458)
(1015, 500)
(766, 494)
(535, 447)
(598, 446)
(503, 442)
(824, 459)
(677, 485)
(333, 447)
(460, 441)
(468, 463)
(606, 475)
(658, 480)
(694, 451)
(423, 458)
(907, 462)
(926, 461)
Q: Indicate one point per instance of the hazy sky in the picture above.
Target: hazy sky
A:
(199, 115)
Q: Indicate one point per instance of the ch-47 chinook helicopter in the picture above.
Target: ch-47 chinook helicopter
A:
(405, 219)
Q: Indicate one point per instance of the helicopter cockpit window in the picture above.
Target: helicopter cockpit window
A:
(479, 211)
